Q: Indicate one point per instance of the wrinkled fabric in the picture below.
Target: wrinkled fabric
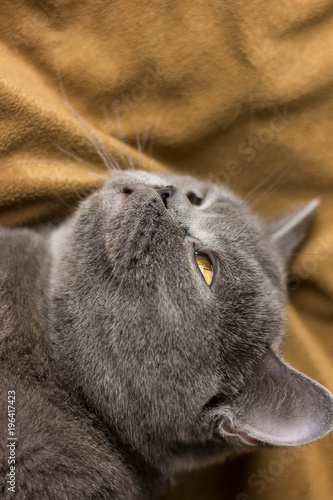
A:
(235, 92)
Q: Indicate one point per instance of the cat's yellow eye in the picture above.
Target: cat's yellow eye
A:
(206, 268)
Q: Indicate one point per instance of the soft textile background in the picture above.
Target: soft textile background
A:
(234, 91)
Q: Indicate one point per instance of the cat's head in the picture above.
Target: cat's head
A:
(167, 315)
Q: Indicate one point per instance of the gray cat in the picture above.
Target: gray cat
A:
(142, 336)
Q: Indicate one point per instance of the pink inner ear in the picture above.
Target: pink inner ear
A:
(283, 431)
(246, 438)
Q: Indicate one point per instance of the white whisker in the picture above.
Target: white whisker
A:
(75, 157)
(152, 141)
(123, 140)
(83, 125)
(139, 148)
(270, 187)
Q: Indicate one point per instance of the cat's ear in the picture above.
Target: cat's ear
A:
(281, 406)
(289, 230)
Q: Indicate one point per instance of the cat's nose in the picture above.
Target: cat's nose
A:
(166, 193)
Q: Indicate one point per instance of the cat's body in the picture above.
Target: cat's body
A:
(126, 364)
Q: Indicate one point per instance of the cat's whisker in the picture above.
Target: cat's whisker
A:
(139, 148)
(107, 116)
(76, 157)
(111, 158)
(70, 207)
(270, 187)
(77, 193)
(152, 141)
(285, 221)
(84, 127)
(122, 138)
(120, 153)
(146, 135)
(263, 228)
(258, 185)
(141, 145)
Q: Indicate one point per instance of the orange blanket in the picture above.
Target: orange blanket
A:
(233, 91)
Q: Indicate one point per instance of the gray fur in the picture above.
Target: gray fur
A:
(126, 365)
